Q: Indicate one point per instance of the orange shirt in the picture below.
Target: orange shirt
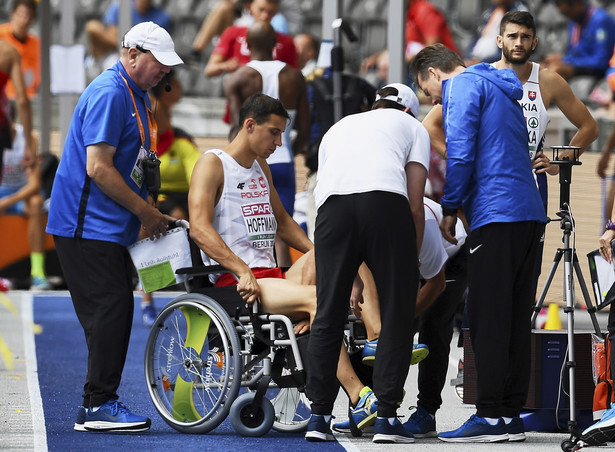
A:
(30, 52)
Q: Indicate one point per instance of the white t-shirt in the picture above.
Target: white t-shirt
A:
(14, 174)
(244, 216)
(435, 250)
(369, 151)
(536, 115)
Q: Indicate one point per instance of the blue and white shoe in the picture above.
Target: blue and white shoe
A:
(421, 424)
(602, 431)
(112, 416)
(385, 432)
(148, 313)
(361, 416)
(318, 429)
(419, 353)
(477, 430)
(80, 420)
(516, 430)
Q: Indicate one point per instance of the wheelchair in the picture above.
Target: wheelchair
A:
(206, 345)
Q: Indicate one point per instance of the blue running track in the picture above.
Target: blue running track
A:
(62, 355)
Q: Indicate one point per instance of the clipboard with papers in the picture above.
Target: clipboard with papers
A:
(602, 277)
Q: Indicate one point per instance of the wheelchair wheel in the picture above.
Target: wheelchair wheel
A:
(251, 421)
(292, 409)
(193, 363)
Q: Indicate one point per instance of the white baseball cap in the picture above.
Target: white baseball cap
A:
(152, 37)
(405, 96)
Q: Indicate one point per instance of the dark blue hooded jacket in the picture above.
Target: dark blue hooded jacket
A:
(488, 171)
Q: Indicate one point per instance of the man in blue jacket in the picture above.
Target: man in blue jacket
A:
(591, 36)
(489, 175)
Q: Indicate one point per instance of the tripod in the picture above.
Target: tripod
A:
(571, 263)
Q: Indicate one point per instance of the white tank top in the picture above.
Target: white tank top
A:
(269, 71)
(243, 216)
(13, 172)
(536, 115)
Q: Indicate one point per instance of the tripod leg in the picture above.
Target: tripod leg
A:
(591, 309)
(556, 260)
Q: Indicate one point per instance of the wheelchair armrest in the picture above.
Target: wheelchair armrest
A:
(202, 270)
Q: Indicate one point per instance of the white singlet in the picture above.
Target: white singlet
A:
(536, 115)
(243, 216)
(269, 71)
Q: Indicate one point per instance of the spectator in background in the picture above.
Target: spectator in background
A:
(177, 153)
(10, 69)
(20, 193)
(306, 46)
(17, 33)
(226, 13)
(232, 50)
(280, 81)
(591, 37)
(103, 37)
(484, 48)
(425, 25)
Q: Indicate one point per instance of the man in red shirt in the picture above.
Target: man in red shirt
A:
(426, 25)
(232, 49)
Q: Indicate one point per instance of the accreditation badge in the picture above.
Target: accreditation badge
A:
(137, 170)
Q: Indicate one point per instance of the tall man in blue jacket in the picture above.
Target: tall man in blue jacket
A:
(489, 175)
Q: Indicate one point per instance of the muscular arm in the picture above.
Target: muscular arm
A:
(101, 170)
(434, 123)
(232, 92)
(205, 186)
(416, 175)
(576, 112)
(218, 65)
(430, 292)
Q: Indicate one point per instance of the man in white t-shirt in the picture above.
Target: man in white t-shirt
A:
(369, 195)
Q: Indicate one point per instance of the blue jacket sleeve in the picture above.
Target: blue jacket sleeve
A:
(462, 105)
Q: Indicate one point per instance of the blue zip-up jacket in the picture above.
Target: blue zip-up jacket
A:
(488, 171)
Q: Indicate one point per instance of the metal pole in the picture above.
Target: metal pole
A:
(67, 101)
(396, 41)
(45, 90)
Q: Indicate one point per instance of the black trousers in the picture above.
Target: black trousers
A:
(99, 278)
(435, 327)
(375, 227)
(500, 299)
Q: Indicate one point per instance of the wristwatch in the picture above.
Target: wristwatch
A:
(610, 226)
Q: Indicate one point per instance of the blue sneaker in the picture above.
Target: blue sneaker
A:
(148, 315)
(361, 416)
(602, 431)
(318, 429)
(384, 432)
(476, 430)
(112, 416)
(80, 420)
(516, 430)
(419, 353)
(39, 283)
(344, 427)
(421, 424)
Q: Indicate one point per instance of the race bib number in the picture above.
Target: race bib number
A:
(260, 224)
(137, 170)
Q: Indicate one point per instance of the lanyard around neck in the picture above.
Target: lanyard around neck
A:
(151, 122)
